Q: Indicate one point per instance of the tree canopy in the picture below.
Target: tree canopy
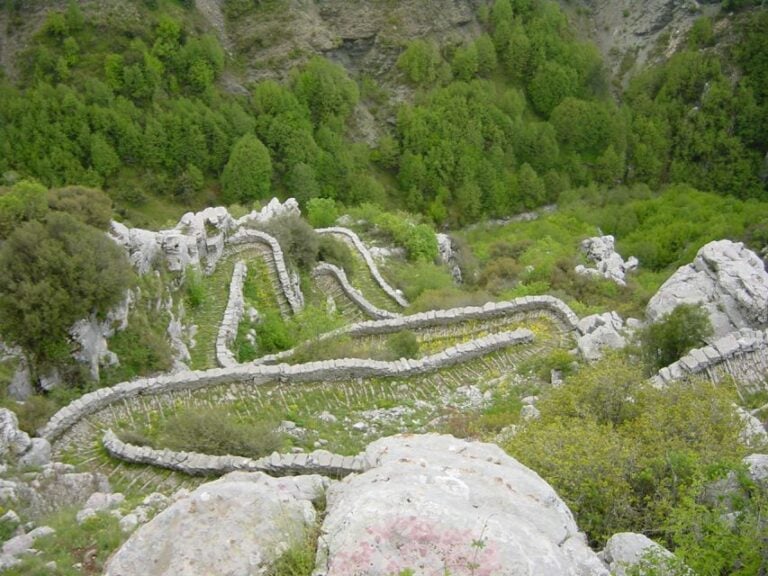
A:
(54, 273)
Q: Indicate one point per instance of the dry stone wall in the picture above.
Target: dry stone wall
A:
(289, 288)
(351, 292)
(446, 317)
(354, 239)
(318, 462)
(232, 316)
(742, 354)
(326, 370)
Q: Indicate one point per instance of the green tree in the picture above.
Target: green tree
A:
(466, 62)
(550, 85)
(248, 173)
(326, 90)
(674, 334)
(56, 273)
(25, 201)
(421, 62)
(88, 205)
(322, 212)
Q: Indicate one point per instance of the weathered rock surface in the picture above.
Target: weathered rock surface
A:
(234, 526)
(600, 332)
(54, 487)
(13, 442)
(91, 336)
(608, 263)
(435, 504)
(728, 279)
(753, 432)
(757, 467)
(627, 551)
(448, 256)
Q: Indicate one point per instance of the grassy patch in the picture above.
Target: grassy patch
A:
(77, 549)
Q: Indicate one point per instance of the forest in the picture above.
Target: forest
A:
(140, 121)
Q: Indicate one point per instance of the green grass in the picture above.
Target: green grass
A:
(208, 315)
(88, 545)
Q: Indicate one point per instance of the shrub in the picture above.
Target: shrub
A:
(626, 456)
(194, 288)
(297, 239)
(673, 335)
(214, 431)
(336, 252)
(272, 335)
(322, 212)
(88, 205)
(34, 412)
(403, 345)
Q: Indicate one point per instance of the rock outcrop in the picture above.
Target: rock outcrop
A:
(427, 503)
(234, 526)
(435, 504)
(608, 263)
(600, 332)
(629, 553)
(726, 278)
(447, 256)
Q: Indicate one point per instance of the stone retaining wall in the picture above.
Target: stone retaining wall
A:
(292, 292)
(195, 464)
(352, 292)
(742, 354)
(233, 314)
(446, 317)
(326, 370)
(361, 248)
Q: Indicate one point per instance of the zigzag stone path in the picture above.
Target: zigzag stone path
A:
(354, 241)
(77, 429)
(333, 282)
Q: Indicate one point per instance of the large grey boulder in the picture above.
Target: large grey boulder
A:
(234, 526)
(600, 332)
(629, 552)
(434, 504)
(728, 279)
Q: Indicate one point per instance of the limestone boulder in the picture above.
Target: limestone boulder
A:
(234, 526)
(608, 263)
(434, 504)
(629, 553)
(728, 279)
(600, 332)
(757, 467)
(273, 209)
(13, 442)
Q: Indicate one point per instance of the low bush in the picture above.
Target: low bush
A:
(338, 253)
(403, 344)
(214, 431)
(674, 335)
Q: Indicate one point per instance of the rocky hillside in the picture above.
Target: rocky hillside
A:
(630, 34)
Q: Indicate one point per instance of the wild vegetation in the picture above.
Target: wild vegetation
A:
(135, 114)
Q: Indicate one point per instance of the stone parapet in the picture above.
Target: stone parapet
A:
(233, 314)
(352, 293)
(325, 370)
(365, 253)
(195, 464)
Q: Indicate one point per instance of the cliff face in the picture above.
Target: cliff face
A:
(630, 33)
(365, 36)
